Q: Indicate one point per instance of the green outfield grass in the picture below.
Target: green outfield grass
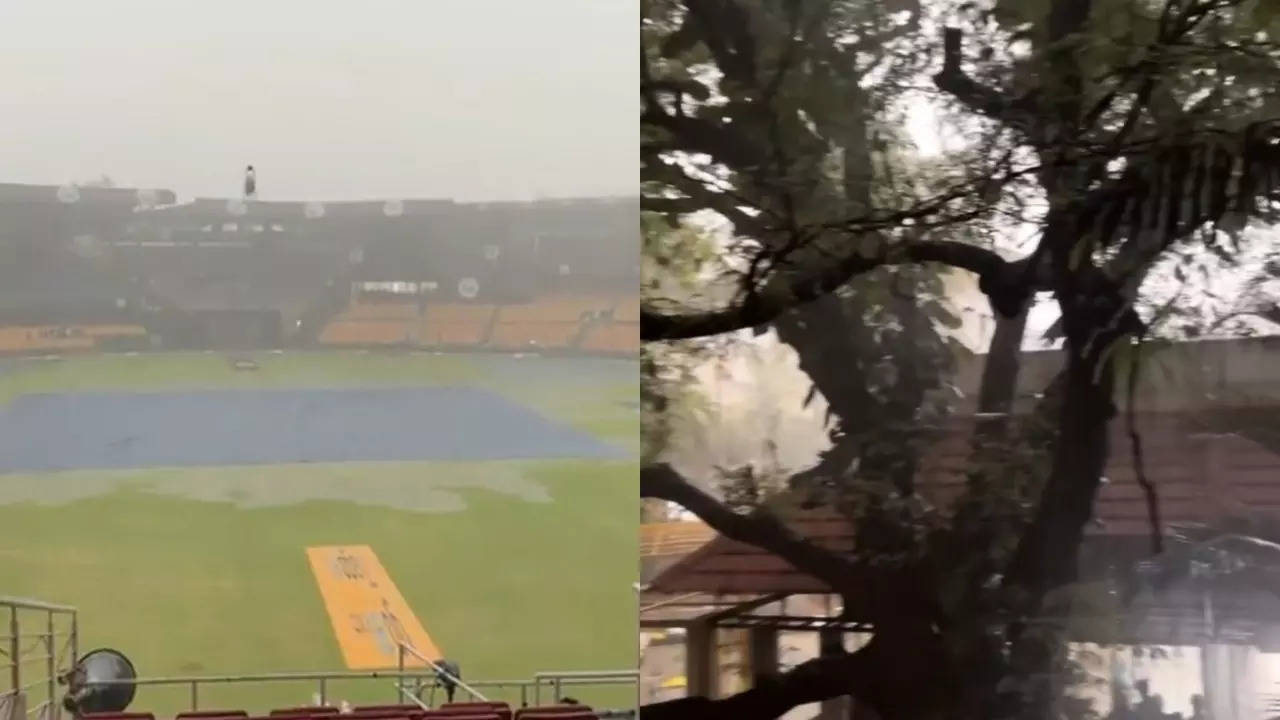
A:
(513, 567)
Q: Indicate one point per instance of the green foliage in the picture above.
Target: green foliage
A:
(676, 262)
(673, 257)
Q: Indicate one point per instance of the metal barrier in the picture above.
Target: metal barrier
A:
(409, 649)
(407, 684)
(42, 636)
(52, 646)
(560, 680)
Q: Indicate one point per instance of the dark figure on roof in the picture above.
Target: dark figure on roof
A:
(250, 183)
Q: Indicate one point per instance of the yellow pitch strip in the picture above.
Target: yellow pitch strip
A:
(370, 617)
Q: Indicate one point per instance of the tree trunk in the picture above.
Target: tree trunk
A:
(1046, 557)
(900, 675)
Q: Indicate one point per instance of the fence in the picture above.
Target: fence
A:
(41, 643)
(414, 684)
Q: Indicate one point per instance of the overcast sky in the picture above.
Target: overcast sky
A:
(469, 99)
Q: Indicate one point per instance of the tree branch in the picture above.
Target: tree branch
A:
(880, 594)
(760, 528)
(973, 94)
(762, 309)
(883, 675)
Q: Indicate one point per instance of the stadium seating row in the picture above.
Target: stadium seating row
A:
(596, 324)
(450, 711)
(63, 338)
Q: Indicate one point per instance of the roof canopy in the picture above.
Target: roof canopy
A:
(1202, 478)
(16, 193)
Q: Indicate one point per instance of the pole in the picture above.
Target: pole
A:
(400, 668)
(15, 671)
(75, 638)
(49, 666)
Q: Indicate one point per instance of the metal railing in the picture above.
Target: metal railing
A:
(41, 642)
(407, 684)
(405, 649)
(558, 681)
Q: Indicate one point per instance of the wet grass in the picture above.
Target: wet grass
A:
(513, 568)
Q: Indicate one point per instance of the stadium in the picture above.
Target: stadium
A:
(290, 457)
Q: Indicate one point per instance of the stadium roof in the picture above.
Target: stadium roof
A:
(203, 207)
(1201, 477)
(17, 193)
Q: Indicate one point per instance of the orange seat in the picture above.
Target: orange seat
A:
(379, 311)
(557, 712)
(366, 332)
(502, 709)
(627, 310)
(613, 338)
(568, 309)
(524, 335)
(454, 324)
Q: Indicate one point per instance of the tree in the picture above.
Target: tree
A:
(674, 257)
(1129, 132)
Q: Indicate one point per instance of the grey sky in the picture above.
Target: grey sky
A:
(470, 99)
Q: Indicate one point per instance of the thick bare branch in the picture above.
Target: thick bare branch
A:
(953, 80)
(761, 528)
(663, 326)
(874, 593)
(883, 675)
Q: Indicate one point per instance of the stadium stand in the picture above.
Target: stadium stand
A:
(589, 323)
(371, 324)
(456, 325)
(627, 310)
(380, 311)
(612, 338)
(113, 331)
(618, 333)
(553, 323)
(211, 714)
(86, 269)
(366, 332)
(556, 712)
(501, 709)
(44, 339)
